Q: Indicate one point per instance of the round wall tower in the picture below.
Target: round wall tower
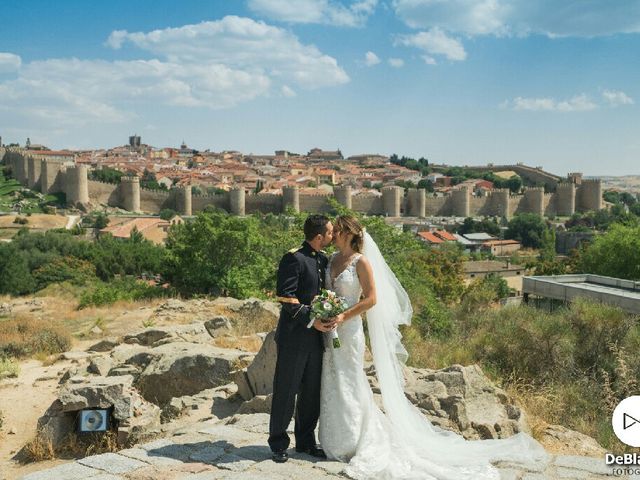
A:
(461, 199)
(77, 185)
(565, 199)
(343, 195)
(392, 200)
(130, 193)
(291, 198)
(237, 201)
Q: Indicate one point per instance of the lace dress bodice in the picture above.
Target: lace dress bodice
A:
(346, 284)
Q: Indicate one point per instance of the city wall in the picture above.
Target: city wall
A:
(53, 176)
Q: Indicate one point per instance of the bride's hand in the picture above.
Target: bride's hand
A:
(338, 319)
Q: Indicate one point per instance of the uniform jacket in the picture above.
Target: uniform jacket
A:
(300, 278)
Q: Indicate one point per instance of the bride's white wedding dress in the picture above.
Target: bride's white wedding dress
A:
(401, 443)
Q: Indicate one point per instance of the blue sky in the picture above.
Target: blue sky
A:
(550, 83)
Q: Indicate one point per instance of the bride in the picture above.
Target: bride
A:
(400, 443)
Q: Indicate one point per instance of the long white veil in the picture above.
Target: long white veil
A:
(428, 443)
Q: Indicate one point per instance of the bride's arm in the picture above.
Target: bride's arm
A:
(368, 299)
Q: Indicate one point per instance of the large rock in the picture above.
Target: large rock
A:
(257, 378)
(185, 369)
(104, 345)
(463, 399)
(134, 417)
(561, 440)
(152, 337)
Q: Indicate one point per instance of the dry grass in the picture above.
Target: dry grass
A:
(36, 221)
(244, 326)
(38, 449)
(26, 336)
(41, 446)
(247, 343)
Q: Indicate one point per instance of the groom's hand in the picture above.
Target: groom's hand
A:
(318, 324)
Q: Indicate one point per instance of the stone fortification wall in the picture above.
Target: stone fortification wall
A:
(315, 203)
(50, 176)
(370, 204)
(263, 202)
(103, 192)
(153, 201)
(435, 206)
(199, 202)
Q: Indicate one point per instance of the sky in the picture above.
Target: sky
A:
(549, 83)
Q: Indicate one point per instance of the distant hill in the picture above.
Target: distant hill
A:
(625, 183)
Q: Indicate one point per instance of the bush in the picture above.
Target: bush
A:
(78, 272)
(26, 337)
(128, 289)
(526, 343)
(167, 213)
(8, 368)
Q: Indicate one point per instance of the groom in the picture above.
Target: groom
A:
(299, 363)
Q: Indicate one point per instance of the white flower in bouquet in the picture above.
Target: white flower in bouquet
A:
(327, 305)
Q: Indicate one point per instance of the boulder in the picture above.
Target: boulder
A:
(147, 337)
(183, 368)
(464, 400)
(135, 355)
(219, 322)
(133, 416)
(560, 440)
(100, 365)
(104, 345)
(257, 378)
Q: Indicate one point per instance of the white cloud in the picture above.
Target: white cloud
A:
(209, 65)
(9, 62)
(244, 44)
(429, 60)
(522, 17)
(288, 91)
(434, 42)
(396, 62)
(371, 59)
(616, 98)
(352, 14)
(578, 103)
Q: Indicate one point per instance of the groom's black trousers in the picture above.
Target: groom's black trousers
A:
(298, 371)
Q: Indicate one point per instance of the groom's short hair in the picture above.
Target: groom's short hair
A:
(315, 225)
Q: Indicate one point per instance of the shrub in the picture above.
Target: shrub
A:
(128, 289)
(8, 368)
(27, 336)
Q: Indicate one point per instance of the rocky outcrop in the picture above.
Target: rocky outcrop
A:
(184, 369)
(462, 399)
(134, 417)
(558, 439)
(257, 378)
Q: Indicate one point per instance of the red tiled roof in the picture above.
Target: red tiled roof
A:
(430, 237)
(444, 235)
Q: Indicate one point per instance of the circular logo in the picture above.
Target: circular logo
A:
(626, 421)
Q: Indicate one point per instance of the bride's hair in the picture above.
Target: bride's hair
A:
(349, 224)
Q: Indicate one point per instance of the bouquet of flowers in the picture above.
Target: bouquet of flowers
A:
(327, 305)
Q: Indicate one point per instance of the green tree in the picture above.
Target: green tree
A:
(527, 228)
(614, 254)
(167, 213)
(219, 254)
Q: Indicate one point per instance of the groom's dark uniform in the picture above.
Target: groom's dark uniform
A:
(299, 363)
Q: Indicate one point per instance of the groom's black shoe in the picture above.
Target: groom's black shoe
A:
(280, 456)
(314, 451)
